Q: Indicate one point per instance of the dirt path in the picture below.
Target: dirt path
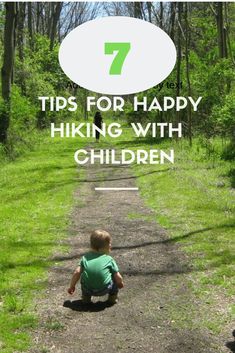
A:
(153, 270)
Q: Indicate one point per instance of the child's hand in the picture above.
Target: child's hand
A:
(74, 280)
(120, 285)
(71, 290)
(118, 280)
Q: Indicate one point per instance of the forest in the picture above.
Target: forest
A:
(181, 220)
(203, 34)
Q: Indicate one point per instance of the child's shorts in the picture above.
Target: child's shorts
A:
(110, 289)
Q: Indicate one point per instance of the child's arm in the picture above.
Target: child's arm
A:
(118, 280)
(75, 278)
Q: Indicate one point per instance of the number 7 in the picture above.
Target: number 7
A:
(122, 51)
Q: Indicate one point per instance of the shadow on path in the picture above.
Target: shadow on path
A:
(42, 263)
(122, 178)
(231, 345)
(78, 305)
(154, 270)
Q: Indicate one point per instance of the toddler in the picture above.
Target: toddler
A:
(98, 271)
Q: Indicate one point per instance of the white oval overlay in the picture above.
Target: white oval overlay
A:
(150, 60)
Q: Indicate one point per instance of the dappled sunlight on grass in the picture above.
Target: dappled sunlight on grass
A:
(193, 198)
(37, 194)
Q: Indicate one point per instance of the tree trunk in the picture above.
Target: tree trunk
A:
(49, 8)
(7, 68)
(21, 19)
(20, 41)
(179, 55)
(161, 15)
(187, 43)
(137, 10)
(30, 24)
(42, 28)
(221, 31)
(149, 7)
(228, 33)
(37, 16)
(55, 20)
(172, 21)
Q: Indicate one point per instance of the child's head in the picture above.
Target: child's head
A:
(100, 240)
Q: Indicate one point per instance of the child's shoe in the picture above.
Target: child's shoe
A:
(86, 299)
(112, 299)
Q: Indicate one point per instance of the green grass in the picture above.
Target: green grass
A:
(194, 200)
(36, 191)
(54, 325)
(197, 212)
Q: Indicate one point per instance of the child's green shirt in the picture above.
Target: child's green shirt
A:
(97, 270)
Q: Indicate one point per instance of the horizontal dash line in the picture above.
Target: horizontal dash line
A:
(116, 189)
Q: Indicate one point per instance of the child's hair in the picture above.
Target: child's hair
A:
(99, 239)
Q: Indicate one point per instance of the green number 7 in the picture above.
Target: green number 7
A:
(122, 51)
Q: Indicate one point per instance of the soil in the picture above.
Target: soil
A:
(154, 271)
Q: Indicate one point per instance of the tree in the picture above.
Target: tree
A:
(30, 24)
(172, 20)
(138, 10)
(179, 53)
(55, 19)
(161, 15)
(7, 68)
(20, 40)
(187, 45)
(221, 31)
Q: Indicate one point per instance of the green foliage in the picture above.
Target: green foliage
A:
(40, 71)
(211, 77)
(47, 63)
(229, 151)
(22, 111)
(13, 305)
(39, 74)
(223, 115)
(194, 201)
(22, 125)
